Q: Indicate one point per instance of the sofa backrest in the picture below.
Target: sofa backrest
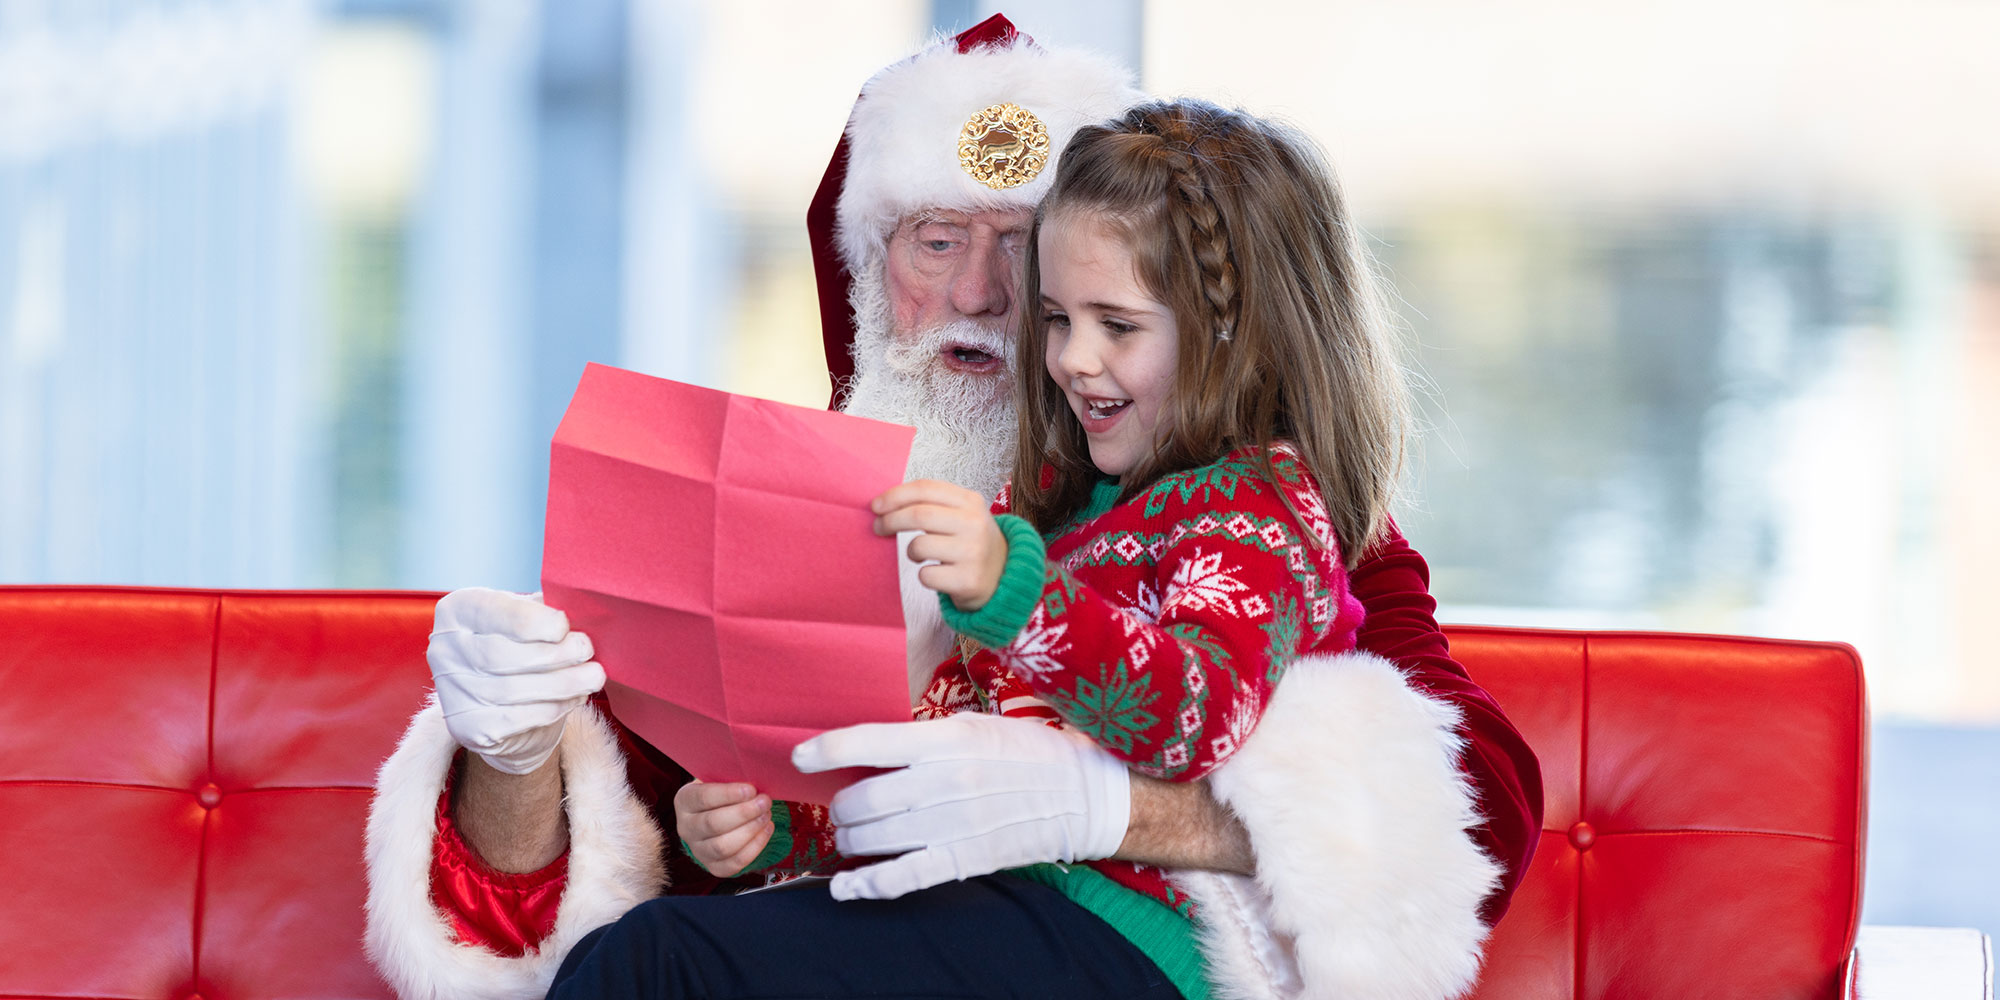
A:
(1704, 811)
(184, 777)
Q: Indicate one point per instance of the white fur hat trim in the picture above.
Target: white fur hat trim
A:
(903, 134)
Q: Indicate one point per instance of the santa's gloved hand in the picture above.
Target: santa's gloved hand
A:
(508, 672)
(973, 794)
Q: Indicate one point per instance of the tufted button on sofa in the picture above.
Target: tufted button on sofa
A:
(184, 777)
(1704, 801)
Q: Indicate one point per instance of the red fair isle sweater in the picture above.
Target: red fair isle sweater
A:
(1158, 626)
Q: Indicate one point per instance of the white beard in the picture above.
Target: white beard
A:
(964, 421)
(965, 435)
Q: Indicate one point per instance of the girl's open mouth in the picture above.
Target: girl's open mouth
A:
(1100, 413)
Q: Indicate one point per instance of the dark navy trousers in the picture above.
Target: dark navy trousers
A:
(995, 937)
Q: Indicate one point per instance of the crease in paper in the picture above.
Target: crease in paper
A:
(729, 579)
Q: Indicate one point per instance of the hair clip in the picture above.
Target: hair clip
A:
(1222, 334)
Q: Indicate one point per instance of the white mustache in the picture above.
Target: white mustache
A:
(909, 355)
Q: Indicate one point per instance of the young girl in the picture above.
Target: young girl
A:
(1210, 428)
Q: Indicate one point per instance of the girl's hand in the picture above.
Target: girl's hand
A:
(725, 826)
(958, 532)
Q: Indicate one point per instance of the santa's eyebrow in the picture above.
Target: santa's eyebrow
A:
(925, 217)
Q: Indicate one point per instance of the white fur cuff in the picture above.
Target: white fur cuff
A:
(614, 864)
(1359, 815)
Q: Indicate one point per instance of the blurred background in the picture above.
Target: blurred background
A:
(1705, 296)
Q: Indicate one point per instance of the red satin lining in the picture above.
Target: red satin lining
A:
(504, 911)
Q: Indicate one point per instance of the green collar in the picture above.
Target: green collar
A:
(1103, 496)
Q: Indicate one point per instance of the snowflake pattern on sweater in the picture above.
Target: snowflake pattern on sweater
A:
(1166, 621)
(1164, 625)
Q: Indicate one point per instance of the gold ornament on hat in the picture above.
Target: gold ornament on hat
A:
(1003, 146)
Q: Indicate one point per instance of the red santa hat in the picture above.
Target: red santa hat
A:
(974, 122)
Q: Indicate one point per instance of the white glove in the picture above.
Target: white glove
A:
(974, 794)
(508, 671)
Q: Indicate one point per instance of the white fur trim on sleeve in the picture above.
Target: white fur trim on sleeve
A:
(1359, 815)
(614, 864)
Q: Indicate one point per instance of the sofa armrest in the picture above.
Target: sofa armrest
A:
(1918, 963)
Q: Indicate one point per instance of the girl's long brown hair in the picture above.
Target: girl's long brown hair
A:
(1236, 224)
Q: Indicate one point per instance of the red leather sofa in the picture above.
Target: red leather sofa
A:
(184, 776)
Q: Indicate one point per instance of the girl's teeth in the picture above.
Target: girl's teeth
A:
(1102, 410)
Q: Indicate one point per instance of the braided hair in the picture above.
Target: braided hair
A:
(1199, 225)
(1236, 224)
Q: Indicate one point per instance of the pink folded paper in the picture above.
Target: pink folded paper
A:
(718, 551)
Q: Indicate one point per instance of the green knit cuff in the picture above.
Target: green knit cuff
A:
(775, 851)
(1013, 602)
(781, 839)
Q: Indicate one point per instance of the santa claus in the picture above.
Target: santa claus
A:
(1360, 844)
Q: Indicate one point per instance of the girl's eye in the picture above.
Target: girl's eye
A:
(1119, 327)
(1055, 319)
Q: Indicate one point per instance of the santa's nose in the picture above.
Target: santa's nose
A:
(983, 287)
